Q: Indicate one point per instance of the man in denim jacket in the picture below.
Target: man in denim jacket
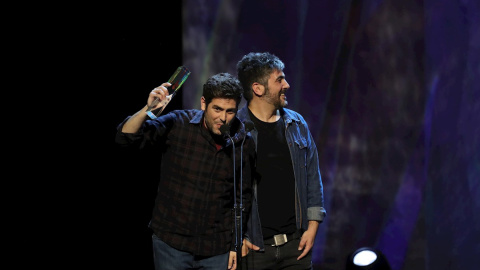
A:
(288, 203)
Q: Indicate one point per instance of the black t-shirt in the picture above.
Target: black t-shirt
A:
(276, 188)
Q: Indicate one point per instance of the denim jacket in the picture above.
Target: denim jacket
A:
(308, 181)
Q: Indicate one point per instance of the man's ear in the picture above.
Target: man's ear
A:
(258, 89)
(203, 104)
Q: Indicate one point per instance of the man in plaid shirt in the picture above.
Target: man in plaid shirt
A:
(192, 221)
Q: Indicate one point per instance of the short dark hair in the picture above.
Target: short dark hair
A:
(222, 85)
(257, 67)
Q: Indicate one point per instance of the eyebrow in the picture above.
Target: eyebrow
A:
(220, 108)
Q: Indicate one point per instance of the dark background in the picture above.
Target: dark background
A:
(389, 89)
(139, 48)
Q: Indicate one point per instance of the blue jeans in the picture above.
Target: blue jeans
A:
(275, 258)
(166, 257)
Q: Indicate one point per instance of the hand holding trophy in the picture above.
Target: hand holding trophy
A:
(176, 81)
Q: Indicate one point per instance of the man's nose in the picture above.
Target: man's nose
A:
(223, 117)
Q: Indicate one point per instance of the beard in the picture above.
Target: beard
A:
(276, 100)
(210, 125)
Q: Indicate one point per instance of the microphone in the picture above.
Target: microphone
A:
(249, 126)
(225, 130)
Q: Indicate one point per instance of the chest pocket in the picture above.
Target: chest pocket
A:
(301, 152)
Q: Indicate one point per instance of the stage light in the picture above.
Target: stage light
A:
(367, 258)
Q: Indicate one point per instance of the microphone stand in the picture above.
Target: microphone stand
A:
(238, 208)
(225, 129)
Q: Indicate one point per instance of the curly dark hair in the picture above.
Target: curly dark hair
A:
(222, 85)
(257, 67)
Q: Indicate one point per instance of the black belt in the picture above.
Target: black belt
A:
(280, 239)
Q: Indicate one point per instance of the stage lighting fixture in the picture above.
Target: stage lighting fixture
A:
(367, 258)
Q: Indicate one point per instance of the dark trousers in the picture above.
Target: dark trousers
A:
(283, 257)
(166, 257)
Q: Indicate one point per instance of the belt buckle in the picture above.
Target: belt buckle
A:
(279, 239)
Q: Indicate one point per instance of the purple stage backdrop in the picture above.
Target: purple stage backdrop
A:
(390, 90)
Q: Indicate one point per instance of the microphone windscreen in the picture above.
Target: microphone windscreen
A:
(225, 129)
(249, 125)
